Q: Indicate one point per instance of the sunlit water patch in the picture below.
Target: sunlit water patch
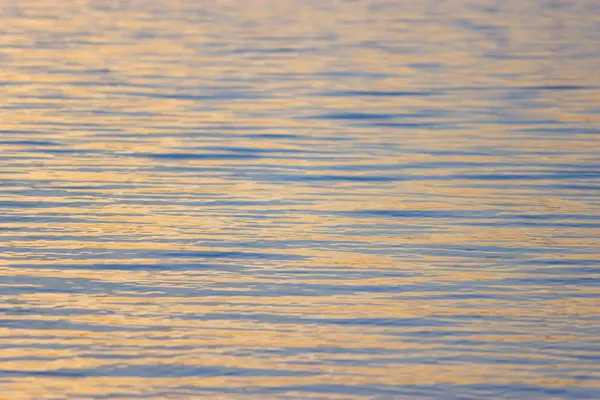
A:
(300, 199)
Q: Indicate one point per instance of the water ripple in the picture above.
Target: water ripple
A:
(325, 200)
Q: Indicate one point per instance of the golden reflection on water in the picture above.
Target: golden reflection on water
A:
(299, 199)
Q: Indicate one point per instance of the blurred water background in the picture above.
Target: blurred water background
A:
(299, 199)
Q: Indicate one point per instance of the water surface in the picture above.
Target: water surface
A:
(300, 199)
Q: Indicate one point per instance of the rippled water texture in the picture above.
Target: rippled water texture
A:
(300, 199)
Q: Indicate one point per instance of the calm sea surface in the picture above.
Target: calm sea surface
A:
(299, 199)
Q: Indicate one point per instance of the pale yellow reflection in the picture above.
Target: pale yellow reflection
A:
(134, 153)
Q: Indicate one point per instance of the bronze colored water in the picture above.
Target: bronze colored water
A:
(299, 199)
